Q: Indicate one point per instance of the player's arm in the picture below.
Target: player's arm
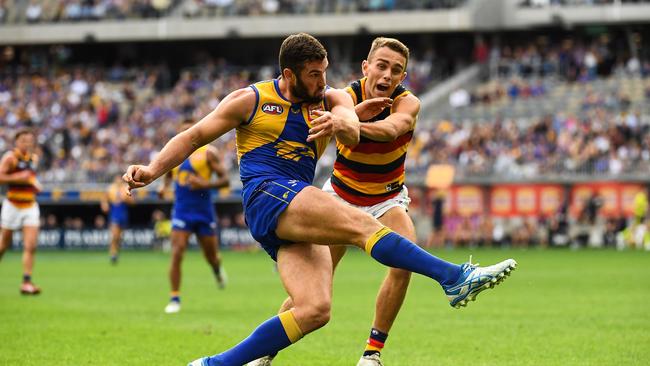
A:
(6, 164)
(234, 109)
(399, 122)
(341, 122)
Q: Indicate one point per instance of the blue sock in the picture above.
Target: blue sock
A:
(394, 250)
(270, 337)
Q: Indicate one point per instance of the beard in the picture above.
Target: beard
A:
(300, 91)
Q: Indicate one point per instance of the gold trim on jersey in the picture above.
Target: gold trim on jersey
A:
(374, 159)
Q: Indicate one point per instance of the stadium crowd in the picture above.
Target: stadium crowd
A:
(597, 131)
(543, 3)
(600, 143)
(47, 11)
(91, 121)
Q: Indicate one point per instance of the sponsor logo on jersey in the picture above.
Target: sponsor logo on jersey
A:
(272, 108)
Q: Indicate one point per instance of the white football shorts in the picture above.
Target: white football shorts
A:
(401, 200)
(14, 218)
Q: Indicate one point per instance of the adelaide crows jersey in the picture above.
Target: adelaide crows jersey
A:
(23, 195)
(372, 171)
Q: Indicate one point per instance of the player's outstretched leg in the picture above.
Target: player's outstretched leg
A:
(460, 283)
(310, 215)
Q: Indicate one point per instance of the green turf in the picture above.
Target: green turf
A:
(559, 308)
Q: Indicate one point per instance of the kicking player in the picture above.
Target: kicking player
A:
(193, 212)
(115, 204)
(370, 175)
(283, 126)
(19, 208)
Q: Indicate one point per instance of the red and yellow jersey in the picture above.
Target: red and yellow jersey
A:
(23, 195)
(372, 171)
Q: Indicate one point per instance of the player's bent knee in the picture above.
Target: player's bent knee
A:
(315, 315)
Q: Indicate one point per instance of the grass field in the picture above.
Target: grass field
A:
(558, 308)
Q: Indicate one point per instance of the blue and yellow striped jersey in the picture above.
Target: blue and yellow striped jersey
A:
(118, 207)
(273, 142)
(196, 164)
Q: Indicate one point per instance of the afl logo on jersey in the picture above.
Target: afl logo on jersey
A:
(272, 108)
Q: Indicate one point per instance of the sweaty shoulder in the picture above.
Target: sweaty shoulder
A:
(240, 103)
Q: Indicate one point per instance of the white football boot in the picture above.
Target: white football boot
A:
(264, 361)
(372, 360)
(173, 307)
(475, 279)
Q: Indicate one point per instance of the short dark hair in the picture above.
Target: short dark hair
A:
(391, 43)
(23, 131)
(297, 49)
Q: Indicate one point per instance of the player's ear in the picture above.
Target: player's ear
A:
(364, 67)
(403, 77)
(287, 74)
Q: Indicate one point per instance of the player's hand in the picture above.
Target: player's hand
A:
(23, 177)
(371, 107)
(196, 182)
(325, 124)
(137, 176)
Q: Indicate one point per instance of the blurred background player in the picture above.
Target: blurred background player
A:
(193, 212)
(19, 208)
(115, 204)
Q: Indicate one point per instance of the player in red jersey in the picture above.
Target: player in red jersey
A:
(19, 208)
